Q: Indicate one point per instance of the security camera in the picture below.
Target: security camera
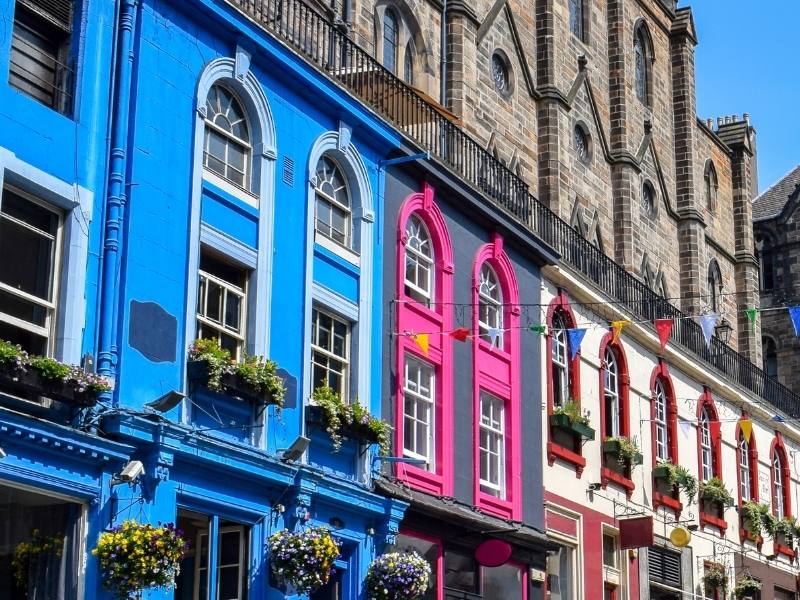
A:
(296, 450)
(130, 473)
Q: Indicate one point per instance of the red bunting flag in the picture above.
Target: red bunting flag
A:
(461, 334)
(664, 328)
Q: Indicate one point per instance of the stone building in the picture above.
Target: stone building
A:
(776, 224)
(592, 106)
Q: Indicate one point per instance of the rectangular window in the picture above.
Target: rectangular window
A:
(419, 411)
(40, 52)
(232, 559)
(492, 445)
(222, 303)
(610, 552)
(460, 576)
(560, 366)
(51, 528)
(781, 594)
(665, 567)
(502, 582)
(561, 574)
(30, 244)
(330, 352)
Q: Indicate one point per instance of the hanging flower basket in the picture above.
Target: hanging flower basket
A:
(135, 557)
(303, 559)
(398, 576)
(746, 587)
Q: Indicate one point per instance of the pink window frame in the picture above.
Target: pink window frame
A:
(496, 371)
(573, 456)
(413, 316)
(607, 343)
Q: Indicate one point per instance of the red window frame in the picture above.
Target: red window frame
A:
(607, 343)
(779, 449)
(661, 374)
(574, 456)
(706, 401)
(414, 316)
(496, 371)
(752, 461)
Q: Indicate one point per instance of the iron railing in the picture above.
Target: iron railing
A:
(327, 47)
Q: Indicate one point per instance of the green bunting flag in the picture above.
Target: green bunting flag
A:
(540, 329)
(752, 314)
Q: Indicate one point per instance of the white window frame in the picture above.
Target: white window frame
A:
(777, 464)
(614, 575)
(662, 431)
(706, 447)
(745, 473)
(241, 565)
(247, 148)
(221, 328)
(575, 576)
(560, 359)
(490, 295)
(329, 354)
(611, 390)
(424, 289)
(47, 331)
(321, 196)
(413, 391)
(493, 427)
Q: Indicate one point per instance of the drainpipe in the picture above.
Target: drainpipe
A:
(115, 192)
(443, 58)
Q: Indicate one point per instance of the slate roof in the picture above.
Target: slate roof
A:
(770, 204)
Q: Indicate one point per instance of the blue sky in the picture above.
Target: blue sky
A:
(747, 61)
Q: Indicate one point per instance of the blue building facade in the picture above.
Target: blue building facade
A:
(191, 178)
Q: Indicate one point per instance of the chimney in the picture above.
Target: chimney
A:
(747, 118)
(720, 121)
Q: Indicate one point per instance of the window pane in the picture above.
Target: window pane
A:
(560, 573)
(610, 551)
(460, 572)
(502, 583)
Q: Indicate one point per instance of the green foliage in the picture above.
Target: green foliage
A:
(628, 450)
(572, 411)
(746, 586)
(715, 577)
(714, 490)
(785, 529)
(758, 518)
(12, 355)
(681, 477)
(257, 372)
(50, 369)
(340, 416)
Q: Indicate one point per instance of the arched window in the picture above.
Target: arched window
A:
(227, 145)
(662, 429)
(418, 261)
(642, 59)
(424, 382)
(747, 459)
(408, 64)
(781, 480)
(490, 314)
(559, 360)
(615, 388)
(611, 394)
(712, 185)
(390, 41)
(333, 217)
(770, 360)
(714, 282)
(576, 9)
(706, 446)
(766, 263)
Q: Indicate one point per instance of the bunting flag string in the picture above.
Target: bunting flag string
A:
(708, 323)
(752, 316)
(617, 327)
(664, 329)
(575, 337)
(794, 313)
(686, 426)
(423, 341)
(494, 334)
(461, 334)
(746, 426)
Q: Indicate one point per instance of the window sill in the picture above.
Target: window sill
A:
(785, 551)
(495, 506)
(337, 249)
(230, 188)
(664, 500)
(494, 350)
(420, 479)
(608, 476)
(419, 308)
(556, 451)
(709, 520)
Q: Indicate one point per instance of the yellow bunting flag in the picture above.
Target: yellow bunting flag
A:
(617, 327)
(422, 341)
(747, 429)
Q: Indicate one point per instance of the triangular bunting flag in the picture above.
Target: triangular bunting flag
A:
(575, 337)
(540, 329)
(778, 419)
(422, 340)
(461, 334)
(708, 323)
(752, 315)
(664, 329)
(794, 312)
(686, 427)
(617, 327)
(746, 426)
(494, 334)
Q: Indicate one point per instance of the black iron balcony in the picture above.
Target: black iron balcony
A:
(429, 127)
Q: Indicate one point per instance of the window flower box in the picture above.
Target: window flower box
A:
(197, 373)
(576, 427)
(30, 385)
(613, 448)
(359, 432)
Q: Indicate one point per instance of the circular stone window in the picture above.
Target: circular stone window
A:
(649, 198)
(500, 74)
(583, 143)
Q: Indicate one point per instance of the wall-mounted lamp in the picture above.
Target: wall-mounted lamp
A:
(279, 508)
(336, 523)
(296, 450)
(723, 331)
(370, 531)
(166, 402)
